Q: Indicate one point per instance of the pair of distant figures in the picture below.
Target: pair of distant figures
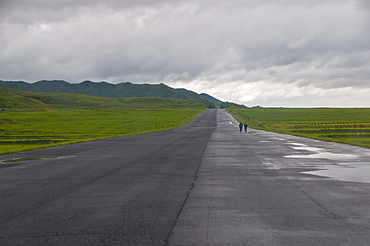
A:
(245, 126)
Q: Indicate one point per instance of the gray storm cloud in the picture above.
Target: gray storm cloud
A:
(279, 53)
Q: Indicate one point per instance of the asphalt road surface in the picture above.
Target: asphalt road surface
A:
(121, 191)
(251, 189)
(202, 184)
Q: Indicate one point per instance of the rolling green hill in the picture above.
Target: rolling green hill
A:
(104, 89)
(11, 100)
(14, 99)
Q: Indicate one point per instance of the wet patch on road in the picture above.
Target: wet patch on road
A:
(20, 160)
(325, 155)
(17, 160)
(319, 153)
(348, 169)
(355, 172)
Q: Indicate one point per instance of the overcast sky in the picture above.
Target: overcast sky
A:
(290, 53)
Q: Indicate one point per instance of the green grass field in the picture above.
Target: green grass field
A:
(26, 130)
(344, 125)
(30, 120)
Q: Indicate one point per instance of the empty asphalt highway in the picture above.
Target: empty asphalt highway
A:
(202, 184)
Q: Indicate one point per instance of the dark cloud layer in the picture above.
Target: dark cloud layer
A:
(279, 53)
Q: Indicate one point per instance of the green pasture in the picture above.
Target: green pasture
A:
(32, 120)
(344, 125)
(25, 130)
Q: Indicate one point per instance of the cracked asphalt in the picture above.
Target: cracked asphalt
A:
(202, 184)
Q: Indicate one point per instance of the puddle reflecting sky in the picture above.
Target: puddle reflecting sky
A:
(319, 153)
(352, 171)
(356, 172)
(325, 155)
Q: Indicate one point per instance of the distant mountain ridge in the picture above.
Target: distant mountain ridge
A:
(210, 97)
(120, 90)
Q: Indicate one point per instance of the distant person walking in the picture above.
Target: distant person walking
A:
(241, 126)
(245, 127)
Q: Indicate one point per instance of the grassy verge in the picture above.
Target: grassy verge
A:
(26, 130)
(343, 125)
